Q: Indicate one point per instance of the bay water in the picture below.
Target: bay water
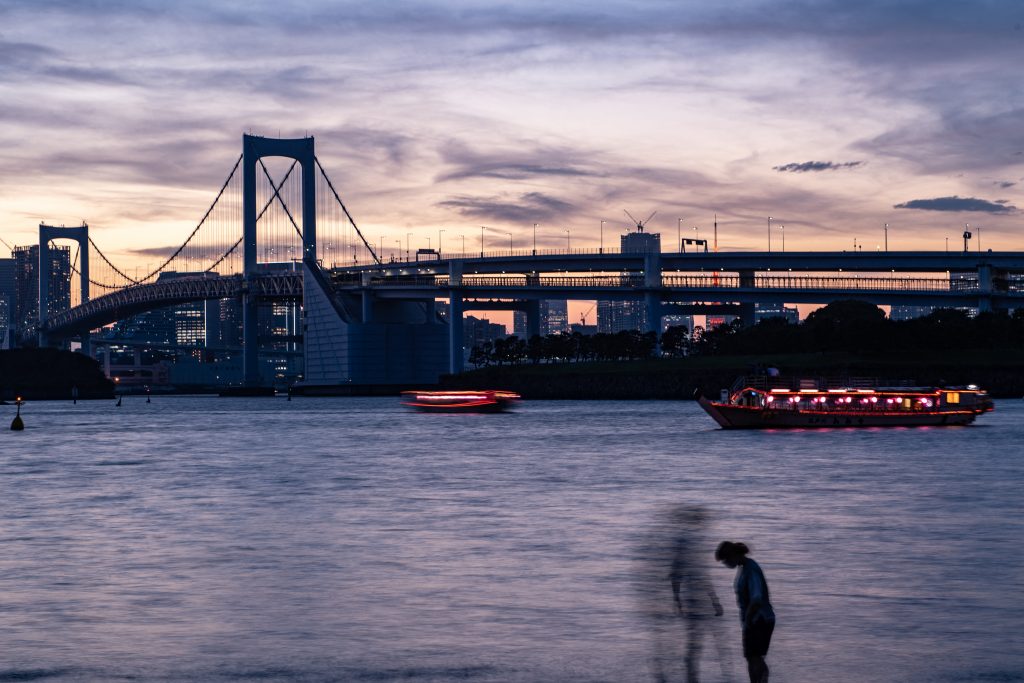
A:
(202, 538)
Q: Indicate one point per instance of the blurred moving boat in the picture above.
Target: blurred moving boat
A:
(779, 403)
(488, 401)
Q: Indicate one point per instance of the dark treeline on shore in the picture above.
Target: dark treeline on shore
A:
(844, 339)
(851, 326)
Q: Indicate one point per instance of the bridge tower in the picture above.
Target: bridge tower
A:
(47, 233)
(255, 148)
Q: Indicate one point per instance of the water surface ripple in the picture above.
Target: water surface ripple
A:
(198, 538)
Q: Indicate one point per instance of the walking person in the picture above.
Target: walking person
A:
(756, 611)
(674, 555)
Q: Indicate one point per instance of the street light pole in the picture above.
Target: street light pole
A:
(783, 238)
(407, 236)
(679, 234)
(439, 233)
(602, 238)
(886, 237)
(481, 241)
(568, 248)
(769, 234)
(509, 243)
(534, 239)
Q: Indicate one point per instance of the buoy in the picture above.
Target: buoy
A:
(17, 425)
(118, 404)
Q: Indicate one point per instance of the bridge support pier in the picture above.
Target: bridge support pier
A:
(367, 306)
(250, 340)
(455, 308)
(532, 318)
(984, 288)
(748, 310)
(652, 302)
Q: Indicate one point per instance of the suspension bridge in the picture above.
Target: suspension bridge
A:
(370, 320)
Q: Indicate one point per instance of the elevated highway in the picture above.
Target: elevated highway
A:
(665, 283)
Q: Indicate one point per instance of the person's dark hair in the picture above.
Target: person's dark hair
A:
(728, 548)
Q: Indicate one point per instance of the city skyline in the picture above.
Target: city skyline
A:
(833, 120)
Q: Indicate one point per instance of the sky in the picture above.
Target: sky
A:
(833, 117)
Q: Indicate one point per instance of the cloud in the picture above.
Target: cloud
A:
(512, 171)
(1004, 184)
(958, 204)
(527, 160)
(816, 166)
(531, 207)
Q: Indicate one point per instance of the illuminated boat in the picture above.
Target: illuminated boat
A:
(806, 404)
(489, 401)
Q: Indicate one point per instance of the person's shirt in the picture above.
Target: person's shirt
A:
(751, 587)
(691, 584)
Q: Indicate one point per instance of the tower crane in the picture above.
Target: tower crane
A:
(583, 317)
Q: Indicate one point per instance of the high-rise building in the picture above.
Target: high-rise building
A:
(554, 319)
(519, 324)
(26, 286)
(616, 316)
(668, 321)
(475, 331)
(791, 314)
(7, 301)
(909, 312)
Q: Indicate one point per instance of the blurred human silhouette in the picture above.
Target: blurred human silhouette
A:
(674, 560)
(756, 613)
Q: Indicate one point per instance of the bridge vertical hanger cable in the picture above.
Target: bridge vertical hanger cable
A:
(359, 232)
(259, 216)
(177, 252)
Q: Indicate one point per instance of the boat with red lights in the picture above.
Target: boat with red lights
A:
(487, 401)
(780, 403)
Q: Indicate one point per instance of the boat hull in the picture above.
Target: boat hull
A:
(745, 417)
(460, 401)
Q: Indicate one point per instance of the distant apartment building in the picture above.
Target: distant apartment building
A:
(26, 286)
(668, 321)
(616, 316)
(554, 319)
(7, 302)
(791, 314)
(909, 312)
(713, 321)
(476, 331)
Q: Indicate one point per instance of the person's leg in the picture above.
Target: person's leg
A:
(757, 670)
(693, 650)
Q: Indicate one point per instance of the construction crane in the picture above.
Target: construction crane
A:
(583, 317)
(640, 225)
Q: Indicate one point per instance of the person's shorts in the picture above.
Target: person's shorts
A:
(756, 638)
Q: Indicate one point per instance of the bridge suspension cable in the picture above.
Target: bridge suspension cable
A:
(345, 209)
(215, 238)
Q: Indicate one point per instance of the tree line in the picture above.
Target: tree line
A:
(849, 325)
